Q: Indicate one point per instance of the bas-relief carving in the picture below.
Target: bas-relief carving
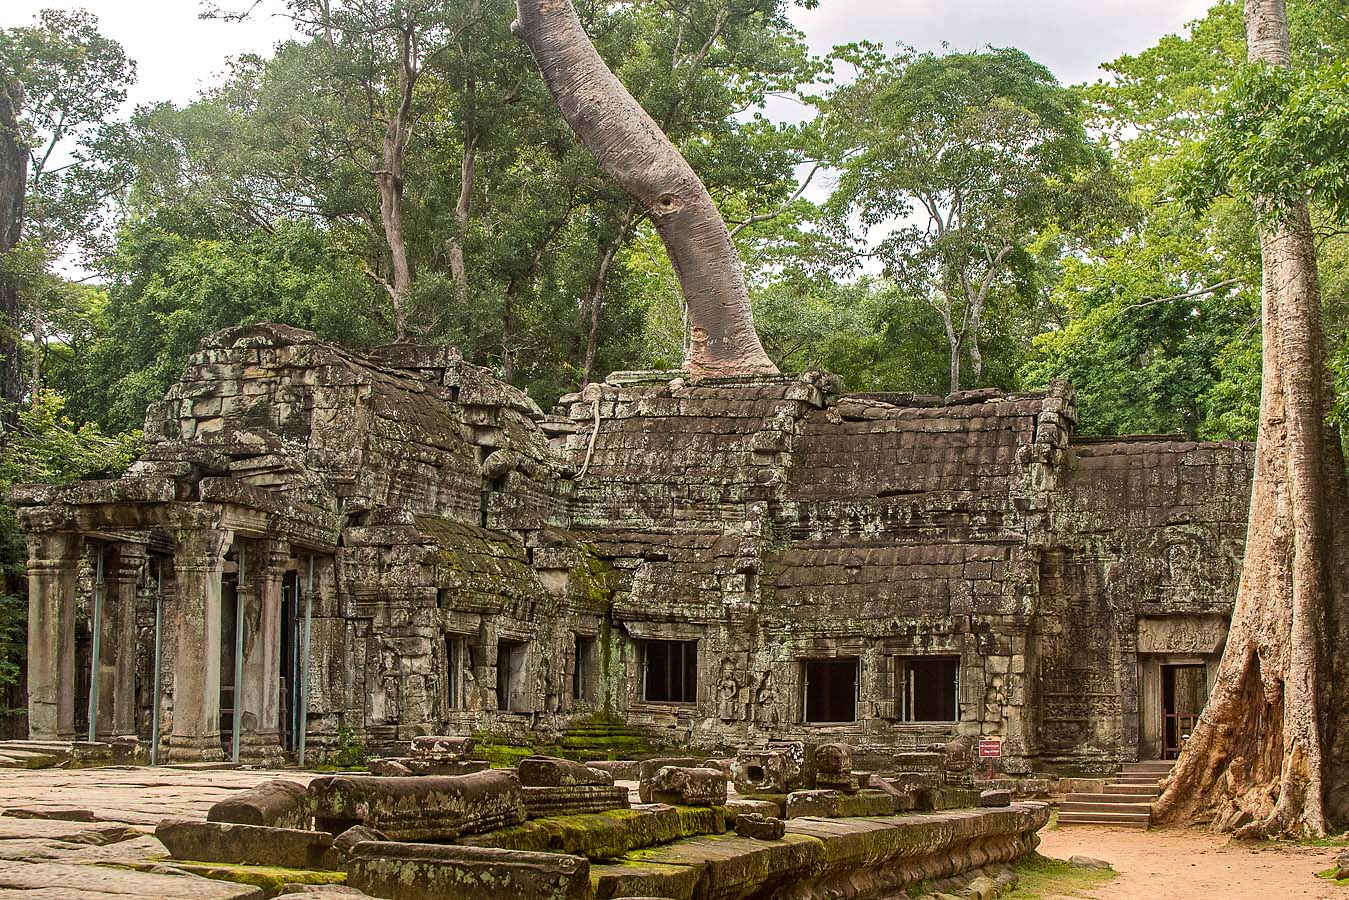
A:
(1181, 635)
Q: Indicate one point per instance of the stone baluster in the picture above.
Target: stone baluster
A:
(53, 565)
(260, 697)
(198, 561)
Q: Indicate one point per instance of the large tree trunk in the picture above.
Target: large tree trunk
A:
(13, 185)
(467, 172)
(389, 179)
(1268, 756)
(631, 149)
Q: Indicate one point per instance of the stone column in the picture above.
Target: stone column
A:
(122, 567)
(260, 698)
(53, 564)
(197, 564)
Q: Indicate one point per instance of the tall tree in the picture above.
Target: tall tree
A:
(1270, 755)
(74, 80)
(13, 187)
(964, 159)
(633, 150)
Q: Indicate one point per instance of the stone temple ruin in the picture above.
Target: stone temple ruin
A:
(321, 550)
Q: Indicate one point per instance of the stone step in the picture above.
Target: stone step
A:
(1135, 779)
(1150, 767)
(1120, 820)
(1122, 800)
(1072, 805)
(1133, 790)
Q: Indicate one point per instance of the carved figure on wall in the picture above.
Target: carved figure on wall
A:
(766, 700)
(543, 682)
(728, 692)
(995, 701)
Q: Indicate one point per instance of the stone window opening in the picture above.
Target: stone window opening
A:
(512, 686)
(670, 671)
(454, 671)
(829, 690)
(929, 689)
(583, 669)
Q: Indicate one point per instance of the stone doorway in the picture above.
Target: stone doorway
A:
(829, 690)
(1184, 692)
(229, 602)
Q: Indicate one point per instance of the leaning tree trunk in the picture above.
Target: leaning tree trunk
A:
(13, 185)
(631, 149)
(1268, 755)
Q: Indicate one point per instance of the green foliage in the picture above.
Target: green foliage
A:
(1041, 877)
(46, 446)
(966, 162)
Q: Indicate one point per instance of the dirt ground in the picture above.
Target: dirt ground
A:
(1161, 864)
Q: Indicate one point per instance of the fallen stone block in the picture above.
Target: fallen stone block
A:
(390, 767)
(831, 804)
(620, 769)
(549, 771)
(60, 813)
(981, 888)
(995, 798)
(277, 803)
(400, 871)
(567, 801)
(687, 786)
(607, 835)
(731, 866)
(741, 806)
(833, 767)
(253, 845)
(431, 807)
(355, 835)
(649, 767)
(760, 828)
(759, 772)
(442, 746)
(636, 879)
(1087, 862)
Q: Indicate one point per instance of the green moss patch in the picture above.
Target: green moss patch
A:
(1329, 875)
(269, 879)
(1042, 877)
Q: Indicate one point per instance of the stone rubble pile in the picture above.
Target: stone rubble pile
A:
(801, 825)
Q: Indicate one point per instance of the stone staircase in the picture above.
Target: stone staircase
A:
(1126, 801)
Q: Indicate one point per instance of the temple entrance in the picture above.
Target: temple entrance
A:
(292, 635)
(1184, 692)
(229, 602)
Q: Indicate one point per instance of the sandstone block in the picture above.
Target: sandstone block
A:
(431, 807)
(761, 828)
(995, 798)
(446, 872)
(252, 845)
(831, 804)
(687, 786)
(573, 800)
(355, 835)
(389, 768)
(443, 746)
(278, 803)
(549, 771)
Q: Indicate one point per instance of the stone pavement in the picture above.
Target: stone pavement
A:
(90, 834)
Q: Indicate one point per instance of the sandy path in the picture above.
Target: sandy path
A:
(1161, 864)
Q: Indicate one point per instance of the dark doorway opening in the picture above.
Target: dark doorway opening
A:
(1184, 692)
(670, 671)
(830, 690)
(929, 689)
(511, 692)
(229, 603)
(292, 623)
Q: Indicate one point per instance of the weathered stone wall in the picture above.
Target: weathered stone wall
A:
(458, 532)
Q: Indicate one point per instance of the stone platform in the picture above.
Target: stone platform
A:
(89, 835)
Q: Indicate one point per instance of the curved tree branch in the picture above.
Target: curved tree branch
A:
(631, 148)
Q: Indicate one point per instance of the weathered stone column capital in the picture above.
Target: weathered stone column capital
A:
(201, 549)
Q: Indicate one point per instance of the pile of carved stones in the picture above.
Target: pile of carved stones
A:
(803, 825)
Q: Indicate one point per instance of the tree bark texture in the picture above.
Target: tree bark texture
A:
(1269, 755)
(389, 178)
(13, 186)
(631, 148)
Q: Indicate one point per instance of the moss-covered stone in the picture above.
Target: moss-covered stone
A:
(269, 879)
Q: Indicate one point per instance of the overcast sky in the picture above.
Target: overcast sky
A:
(177, 53)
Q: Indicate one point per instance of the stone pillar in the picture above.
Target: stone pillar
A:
(260, 698)
(122, 565)
(53, 564)
(197, 564)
